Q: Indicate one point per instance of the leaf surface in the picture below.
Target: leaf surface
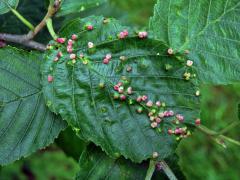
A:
(208, 29)
(26, 124)
(82, 91)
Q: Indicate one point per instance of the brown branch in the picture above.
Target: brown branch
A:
(22, 39)
(26, 39)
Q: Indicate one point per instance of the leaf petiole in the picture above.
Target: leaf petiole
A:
(150, 170)
(20, 17)
(50, 28)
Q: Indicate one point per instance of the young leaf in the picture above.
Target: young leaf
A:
(95, 164)
(82, 89)
(26, 124)
(208, 29)
(6, 5)
(76, 6)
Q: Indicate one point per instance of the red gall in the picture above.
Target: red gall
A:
(74, 37)
(61, 40)
(198, 122)
(50, 78)
(154, 124)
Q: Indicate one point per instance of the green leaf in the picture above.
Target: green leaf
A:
(6, 5)
(26, 124)
(76, 6)
(82, 92)
(208, 29)
(95, 164)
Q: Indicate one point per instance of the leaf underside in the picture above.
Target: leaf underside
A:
(75, 94)
(4, 5)
(209, 29)
(26, 124)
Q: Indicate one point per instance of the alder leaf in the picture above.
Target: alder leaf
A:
(208, 29)
(26, 124)
(6, 5)
(95, 164)
(82, 90)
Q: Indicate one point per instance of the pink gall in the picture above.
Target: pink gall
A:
(125, 33)
(139, 99)
(129, 90)
(198, 122)
(70, 42)
(121, 89)
(142, 35)
(74, 37)
(154, 124)
(123, 97)
(56, 59)
(158, 120)
(180, 117)
(89, 27)
(61, 40)
(72, 56)
(189, 63)
(105, 61)
(161, 115)
(144, 97)
(108, 56)
(158, 103)
(116, 87)
(59, 54)
(50, 78)
(151, 118)
(149, 104)
(170, 131)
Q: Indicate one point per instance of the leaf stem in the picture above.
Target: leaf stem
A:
(22, 19)
(218, 137)
(150, 170)
(167, 170)
(50, 28)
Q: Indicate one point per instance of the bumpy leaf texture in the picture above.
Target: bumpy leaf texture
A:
(95, 164)
(26, 124)
(82, 89)
(6, 4)
(208, 29)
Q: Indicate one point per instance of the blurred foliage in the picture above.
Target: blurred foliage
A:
(49, 164)
(201, 157)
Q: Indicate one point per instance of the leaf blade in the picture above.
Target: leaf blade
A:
(118, 129)
(26, 124)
